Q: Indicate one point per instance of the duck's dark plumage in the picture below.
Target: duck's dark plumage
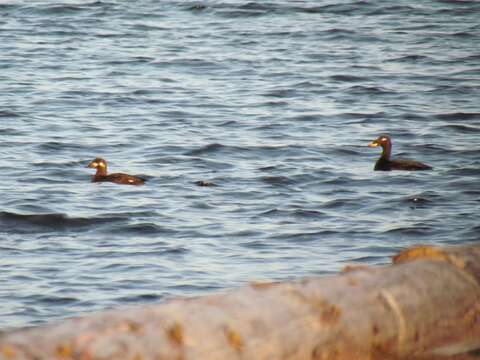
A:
(204, 183)
(117, 178)
(385, 163)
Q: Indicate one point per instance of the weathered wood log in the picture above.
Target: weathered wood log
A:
(425, 306)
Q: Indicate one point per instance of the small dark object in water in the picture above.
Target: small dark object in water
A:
(204, 183)
(387, 164)
(117, 178)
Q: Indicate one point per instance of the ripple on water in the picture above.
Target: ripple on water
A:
(32, 222)
(458, 116)
(464, 129)
(144, 228)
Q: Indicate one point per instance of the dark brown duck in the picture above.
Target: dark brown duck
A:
(117, 178)
(385, 163)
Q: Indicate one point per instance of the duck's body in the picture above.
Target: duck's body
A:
(385, 163)
(411, 165)
(204, 183)
(117, 178)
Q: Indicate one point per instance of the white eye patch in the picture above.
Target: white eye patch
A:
(101, 164)
(383, 139)
(94, 164)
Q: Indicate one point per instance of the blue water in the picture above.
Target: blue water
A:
(272, 101)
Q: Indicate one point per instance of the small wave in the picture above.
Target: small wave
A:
(147, 28)
(467, 171)
(336, 33)
(411, 116)
(146, 228)
(410, 230)
(474, 58)
(464, 129)
(410, 58)
(107, 35)
(338, 180)
(207, 149)
(345, 150)
(343, 9)
(306, 236)
(210, 163)
(7, 4)
(464, 34)
(277, 180)
(228, 123)
(361, 116)
(10, 132)
(457, 2)
(370, 90)
(67, 9)
(145, 92)
(347, 78)
(196, 63)
(250, 9)
(375, 249)
(257, 6)
(280, 93)
(8, 113)
(459, 116)
(140, 298)
(58, 9)
(55, 146)
(52, 220)
(472, 233)
(55, 300)
(159, 251)
(337, 203)
(197, 7)
(369, 259)
(173, 251)
(301, 213)
(409, 28)
(306, 213)
(220, 148)
(454, 89)
(389, 10)
(268, 168)
(459, 11)
(339, 31)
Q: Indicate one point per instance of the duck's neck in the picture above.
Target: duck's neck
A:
(101, 171)
(387, 151)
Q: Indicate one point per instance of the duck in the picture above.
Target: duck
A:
(117, 178)
(204, 183)
(385, 163)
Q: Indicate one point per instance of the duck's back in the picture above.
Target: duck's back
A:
(120, 178)
(400, 164)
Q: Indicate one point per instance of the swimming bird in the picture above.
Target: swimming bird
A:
(204, 183)
(385, 163)
(117, 178)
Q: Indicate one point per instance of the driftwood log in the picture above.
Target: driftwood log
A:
(425, 306)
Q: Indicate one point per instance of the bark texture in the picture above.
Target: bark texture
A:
(425, 306)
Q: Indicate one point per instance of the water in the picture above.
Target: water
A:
(273, 101)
